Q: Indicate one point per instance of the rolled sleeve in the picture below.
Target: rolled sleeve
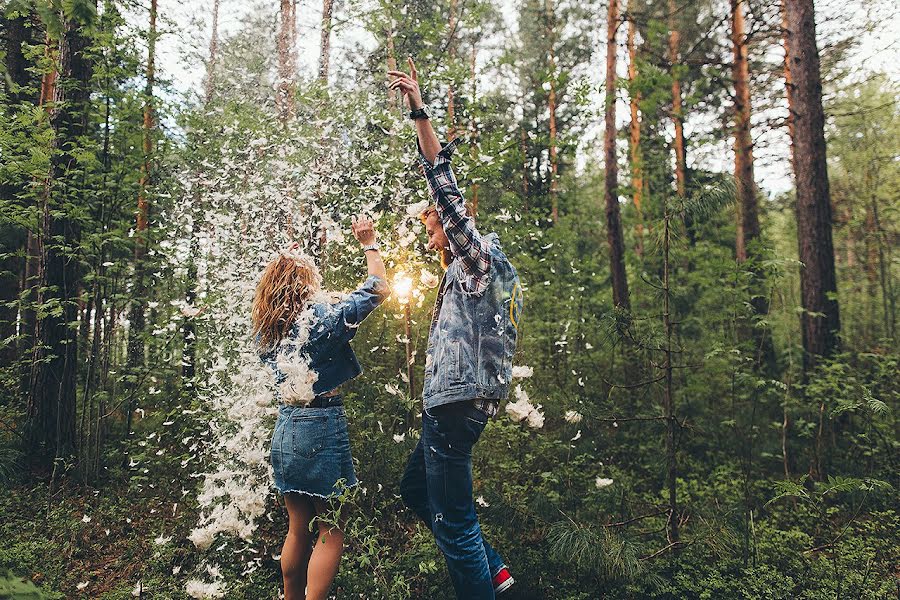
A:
(365, 299)
(466, 243)
(341, 320)
(444, 156)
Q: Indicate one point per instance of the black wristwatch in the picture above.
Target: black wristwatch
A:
(420, 113)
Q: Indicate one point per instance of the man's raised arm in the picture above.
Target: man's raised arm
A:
(465, 241)
(409, 87)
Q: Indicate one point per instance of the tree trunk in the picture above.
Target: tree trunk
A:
(788, 80)
(31, 282)
(523, 141)
(86, 307)
(875, 251)
(634, 133)
(820, 320)
(137, 312)
(86, 428)
(748, 229)
(17, 34)
(748, 212)
(213, 53)
(29, 299)
(613, 216)
(677, 117)
(451, 53)
(672, 533)
(13, 238)
(188, 326)
(325, 45)
(284, 98)
(393, 96)
(554, 160)
(52, 395)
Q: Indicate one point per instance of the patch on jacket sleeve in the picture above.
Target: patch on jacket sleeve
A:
(517, 300)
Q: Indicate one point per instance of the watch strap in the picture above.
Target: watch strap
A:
(420, 113)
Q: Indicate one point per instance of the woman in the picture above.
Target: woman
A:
(305, 340)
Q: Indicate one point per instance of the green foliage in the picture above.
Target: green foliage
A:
(15, 587)
(597, 550)
(11, 466)
(754, 524)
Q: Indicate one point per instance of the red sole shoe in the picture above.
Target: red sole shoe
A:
(502, 581)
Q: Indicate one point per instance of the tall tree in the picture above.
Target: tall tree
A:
(394, 99)
(18, 86)
(634, 128)
(611, 192)
(452, 37)
(31, 282)
(748, 229)
(748, 210)
(188, 326)
(210, 80)
(52, 393)
(788, 80)
(325, 44)
(677, 116)
(552, 80)
(284, 98)
(820, 319)
(138, 309)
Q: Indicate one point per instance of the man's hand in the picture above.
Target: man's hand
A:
(408, 85)
(363, 230)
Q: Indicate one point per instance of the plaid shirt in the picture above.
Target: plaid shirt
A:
(466, 243)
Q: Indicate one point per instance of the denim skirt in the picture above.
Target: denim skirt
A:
(311, 451)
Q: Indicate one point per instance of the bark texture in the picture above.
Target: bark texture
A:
(51, 404)
(820, 320)
(325, 44)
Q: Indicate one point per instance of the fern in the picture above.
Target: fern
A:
(841, 485)
(790, 489)
(875, 405)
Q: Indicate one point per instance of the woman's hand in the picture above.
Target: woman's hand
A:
(363, 230)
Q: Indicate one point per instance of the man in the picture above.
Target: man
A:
(468, 365)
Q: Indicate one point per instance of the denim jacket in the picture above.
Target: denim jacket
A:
(473, 334)
(331, 329)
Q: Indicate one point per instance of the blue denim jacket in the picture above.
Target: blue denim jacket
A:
(332, 328)
(473, 334)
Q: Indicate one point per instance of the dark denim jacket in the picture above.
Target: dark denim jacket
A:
(332, 328)
(473, 334)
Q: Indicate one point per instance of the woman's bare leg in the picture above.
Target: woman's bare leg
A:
(296, 551)
(326, 556)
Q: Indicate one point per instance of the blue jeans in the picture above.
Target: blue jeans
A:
(437, 486)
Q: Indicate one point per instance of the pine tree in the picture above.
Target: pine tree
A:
(52, 391)
(820, 320)
(611, 193)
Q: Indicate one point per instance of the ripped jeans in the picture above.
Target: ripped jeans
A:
(437, 486)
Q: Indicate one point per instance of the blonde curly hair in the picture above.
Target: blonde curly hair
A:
(287, 283)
